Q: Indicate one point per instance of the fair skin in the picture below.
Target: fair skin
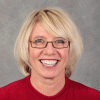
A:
(48, 80)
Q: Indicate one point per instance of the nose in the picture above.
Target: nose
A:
(49, 49)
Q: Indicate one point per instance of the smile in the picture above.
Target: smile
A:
(49, 62)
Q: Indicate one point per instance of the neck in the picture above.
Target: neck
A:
(48, 87)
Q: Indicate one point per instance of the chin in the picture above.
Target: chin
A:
(49, 75)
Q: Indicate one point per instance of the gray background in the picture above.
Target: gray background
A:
(86, 15)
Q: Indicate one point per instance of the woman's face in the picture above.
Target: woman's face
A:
(47, 62)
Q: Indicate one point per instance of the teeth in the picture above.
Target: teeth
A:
(49, 62)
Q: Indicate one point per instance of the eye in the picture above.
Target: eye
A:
(38, 41)
(60, 41)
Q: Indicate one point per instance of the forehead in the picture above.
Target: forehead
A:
(39, 31)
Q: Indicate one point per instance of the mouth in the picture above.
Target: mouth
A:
(49, 62)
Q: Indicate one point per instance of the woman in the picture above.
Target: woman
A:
(47, 49)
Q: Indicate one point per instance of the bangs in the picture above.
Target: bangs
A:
(54, 24)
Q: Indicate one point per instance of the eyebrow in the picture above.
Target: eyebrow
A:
(60, 38)
(38, 36)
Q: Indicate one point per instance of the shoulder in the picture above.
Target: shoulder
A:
(81, 90)
(13, 85)
(12, 88)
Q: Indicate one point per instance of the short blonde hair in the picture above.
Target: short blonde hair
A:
(56, 22)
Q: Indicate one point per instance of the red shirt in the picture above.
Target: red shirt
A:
(23, 90)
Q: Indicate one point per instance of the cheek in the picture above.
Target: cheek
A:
(33, 57)
(34, 53)
(65, 54)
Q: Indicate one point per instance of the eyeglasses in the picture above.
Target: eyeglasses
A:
(40, 43)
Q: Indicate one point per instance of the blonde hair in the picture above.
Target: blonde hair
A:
(56, 22)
